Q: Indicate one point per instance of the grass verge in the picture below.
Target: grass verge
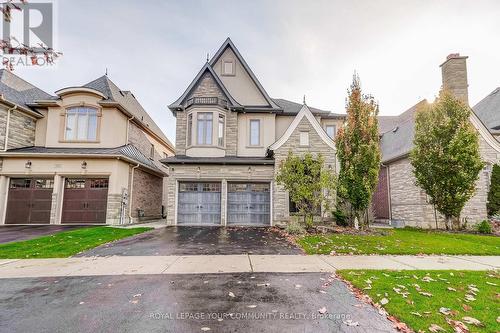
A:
(65, 244)
(402, 241)
(422, 299)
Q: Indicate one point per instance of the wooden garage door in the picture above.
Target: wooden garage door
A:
(248, 204)
(199, 204)
(85, 200)
(29, 201)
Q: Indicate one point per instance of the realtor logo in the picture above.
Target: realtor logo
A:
(27, 25)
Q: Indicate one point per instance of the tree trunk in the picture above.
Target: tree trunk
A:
(447, 222)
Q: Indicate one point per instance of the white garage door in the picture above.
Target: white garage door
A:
(199, 203)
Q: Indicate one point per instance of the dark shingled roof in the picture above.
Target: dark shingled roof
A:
(182, 159)
(292, 108)
(397, 140)
(128, 151)
(18, 91)
(114, 94)
(488, 111)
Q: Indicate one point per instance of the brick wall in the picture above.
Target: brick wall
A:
(147, 194)
(316, 146)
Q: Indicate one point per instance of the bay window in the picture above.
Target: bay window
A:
(81, 124)
(204, 128)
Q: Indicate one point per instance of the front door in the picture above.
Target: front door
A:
(199, 203)
(85, 200)
(248, 204)
(29, 201)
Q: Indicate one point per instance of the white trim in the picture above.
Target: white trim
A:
(484, 132)
(74, 90)
(304, 112)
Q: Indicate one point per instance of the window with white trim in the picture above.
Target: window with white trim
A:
(220, 134)
(81, 124)
(205, 123)
(331, 130)
(255, 132)
(304, 138)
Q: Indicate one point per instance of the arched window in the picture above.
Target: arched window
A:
(81, 124)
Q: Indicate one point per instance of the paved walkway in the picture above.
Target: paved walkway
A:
(200, 264)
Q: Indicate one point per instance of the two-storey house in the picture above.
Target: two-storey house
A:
(231, 137)
(88, 154)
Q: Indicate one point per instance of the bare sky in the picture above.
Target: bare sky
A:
(155, 48)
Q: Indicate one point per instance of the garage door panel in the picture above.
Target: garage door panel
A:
(199, 203)
(29, 201)
(249, 203)
(85, 200)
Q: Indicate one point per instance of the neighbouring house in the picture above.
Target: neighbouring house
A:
(397, 197)
(231, 137)
(88, 154)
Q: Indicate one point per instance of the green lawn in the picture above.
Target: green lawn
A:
(65, 244)
(402, 241)
(423, 298)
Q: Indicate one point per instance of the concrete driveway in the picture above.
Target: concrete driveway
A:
(14, 233)
(262, 302)
(199, 241)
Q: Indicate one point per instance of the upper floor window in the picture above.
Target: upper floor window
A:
(227, 67)
(152, 152)
(81, 124)
(330, 130)
(205, 120)
(189, 129)
(220, 137)
(304, 139)
(254, 132)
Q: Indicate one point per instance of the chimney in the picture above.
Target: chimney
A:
(454, 73)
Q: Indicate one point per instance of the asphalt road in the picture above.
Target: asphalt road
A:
(248, 302)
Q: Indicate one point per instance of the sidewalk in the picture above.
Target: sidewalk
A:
(130, 265)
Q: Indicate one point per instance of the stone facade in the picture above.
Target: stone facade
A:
(207, 87)
(316, 146)
(114, 209)
(410, 203)
(147, 195)
(454, 75)
(222, 173)
(21, 129)
(180, 133)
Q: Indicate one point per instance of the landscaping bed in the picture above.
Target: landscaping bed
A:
(432, 301)
(401, 241)
(65, 244)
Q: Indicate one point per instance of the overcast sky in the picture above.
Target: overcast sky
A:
(155, 48)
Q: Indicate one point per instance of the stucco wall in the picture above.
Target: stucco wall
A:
(316, 146)
(267, 133)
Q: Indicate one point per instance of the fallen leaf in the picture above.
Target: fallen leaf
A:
(472, 321)
(416, 314)
(263, 284)
(451, 289)
(322, 310)
(134, 301)
(81, 303)
(349, 322)
(445, 311)
(491, 283)
(137, 295)
(231, 294)
(204, 329)
(298, 286)
(251, 306)
(458, 326)
(423, 293)
(384, 301)
(466, 307)
(436, 328)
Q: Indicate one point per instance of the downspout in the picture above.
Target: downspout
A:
(7, 125)
(127, 130)
(130, 196)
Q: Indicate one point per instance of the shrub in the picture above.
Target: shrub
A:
(484, 227)
(340, 218)
(294, 228)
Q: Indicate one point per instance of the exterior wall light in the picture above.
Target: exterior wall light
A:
(28, 164)
(84, 165)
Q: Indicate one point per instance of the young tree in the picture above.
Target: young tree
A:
(358, 151)
(493, 203)
(446, 158)
(309, 184)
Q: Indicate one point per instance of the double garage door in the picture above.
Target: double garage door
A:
(200, 203)
(30, 200)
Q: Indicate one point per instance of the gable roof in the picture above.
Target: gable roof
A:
(488, 111)
(304, 112)
(127, 100)
(179, 103)
(20, 92)
(229, 43)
